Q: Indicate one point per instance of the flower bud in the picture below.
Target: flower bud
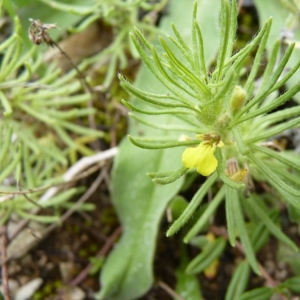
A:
(237, 100)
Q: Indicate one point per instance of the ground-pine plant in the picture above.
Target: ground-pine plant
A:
(38, 130)
(121, 16)
(226, 121)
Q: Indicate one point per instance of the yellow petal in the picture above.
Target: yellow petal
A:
(190, 157)
(207, 162)
(201, 157)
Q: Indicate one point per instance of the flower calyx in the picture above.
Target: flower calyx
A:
(234, 173)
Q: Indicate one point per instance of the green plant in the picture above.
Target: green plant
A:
(121, 16)
(38, 134)
(235, 124)
(285, 26)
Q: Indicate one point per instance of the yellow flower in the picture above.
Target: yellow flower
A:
(202, 157)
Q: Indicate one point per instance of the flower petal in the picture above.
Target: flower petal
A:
(201, 157)
(190, 157)
(207, 162)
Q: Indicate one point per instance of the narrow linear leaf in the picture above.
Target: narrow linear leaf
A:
(194, 79)
(207, 256)
(207, 214)
(281, 115)
(198, 197)
(62, 197)
(239, 57)
(231, 199)
(5, 139)
(187, 285)
(292, 284)
(274, 78)
(263, 293)
(274, 179)
(171, 178)
(272, 227)
(239, 140)
(41, 219)
(201, 50)
(270, 65)
(275, 130)
(289, 161)
(146, 144)
(180, 128)
(225, 32)
(261, 235)
(256, 64)
(159, 100)
(168, 77)
(6, 105)
(161, 74)
(11, 167)
(182, 42)
(158, 112)
(244, 237)
(239, 281)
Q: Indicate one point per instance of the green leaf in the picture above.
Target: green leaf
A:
(154, 143)
(202, 87)
(173, 176)
(187, 285)
(158, 100)
(177, 206)
(156, 112)
(280, 156)
(231, 199)
(41, 219)
(193, 205)
(275, 180)
(253, 203)
(207, 214)
(263, 293)
(244, 237)
(236, 226)
(61, 197)
(97, 263)
(275, 130)
(207, 22)
(260, 235)
(11, 167)
(180, 128)
(292, 284)
(280, 14)
(211, 252)
(239, 281)
(225, 33)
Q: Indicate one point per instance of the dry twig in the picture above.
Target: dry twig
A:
(4, 264)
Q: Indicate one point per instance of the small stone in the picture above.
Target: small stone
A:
(75, 294)
(26, 291)
(13, 285)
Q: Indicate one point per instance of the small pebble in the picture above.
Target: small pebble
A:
(26, 291)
